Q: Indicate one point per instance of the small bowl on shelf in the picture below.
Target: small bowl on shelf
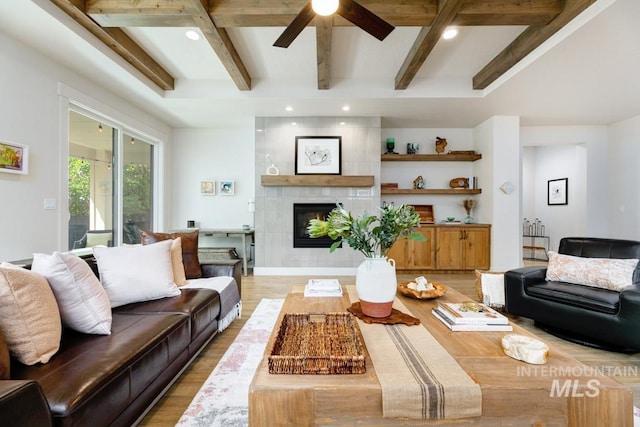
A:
(451, 218)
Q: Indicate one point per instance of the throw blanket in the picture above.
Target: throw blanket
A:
(419, 378)
(230, 303)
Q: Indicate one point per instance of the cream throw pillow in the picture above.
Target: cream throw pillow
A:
(179, 276)
(136, 273)
(29, 317)
(83, 303)
(607, 273)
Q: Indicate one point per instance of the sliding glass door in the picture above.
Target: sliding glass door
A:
(110, 183)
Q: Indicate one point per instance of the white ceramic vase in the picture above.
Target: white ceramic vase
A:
(376, 285)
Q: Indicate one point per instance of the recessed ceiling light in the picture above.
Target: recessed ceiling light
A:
(293, 123)
(345, 108)
(342, 123)
(192, 35)
(450, 33)
(258, 130)
(289, 108)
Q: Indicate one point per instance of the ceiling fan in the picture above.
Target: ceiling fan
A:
(348, 9)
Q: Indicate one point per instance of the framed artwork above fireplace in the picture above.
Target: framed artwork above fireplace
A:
(318, 155)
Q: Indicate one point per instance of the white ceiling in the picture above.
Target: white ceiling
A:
(587, 74)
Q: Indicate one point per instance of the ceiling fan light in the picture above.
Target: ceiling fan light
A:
(325, 7)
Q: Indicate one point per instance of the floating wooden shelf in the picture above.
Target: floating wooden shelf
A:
(431, 157)
(317, 180)
(431, 191)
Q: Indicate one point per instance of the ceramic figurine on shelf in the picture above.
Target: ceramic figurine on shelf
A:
(441, 144)
(418, 183)
(412, 148)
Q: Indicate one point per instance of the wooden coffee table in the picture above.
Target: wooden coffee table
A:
(563, 392)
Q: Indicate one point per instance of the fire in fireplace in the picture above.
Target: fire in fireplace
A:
(302, 214)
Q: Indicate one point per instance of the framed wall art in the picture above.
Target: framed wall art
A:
(318, 155)
(227, 188)
(14, 158)
(558, 191)
(208, 188)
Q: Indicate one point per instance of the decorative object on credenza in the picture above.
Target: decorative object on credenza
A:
(460, 182)
(272, 169)
(14, 158)
(373, 236)
(558, 191)
(412, 148)
(208, 188)
(391, 145)
(318, 155)
(418, 183)
(533, 229)
(441, 144)
(468, 205)
(227, 188)
(419, 290)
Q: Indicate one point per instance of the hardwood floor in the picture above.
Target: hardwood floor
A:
(624, 367)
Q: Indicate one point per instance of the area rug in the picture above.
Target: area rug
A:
(223, 399)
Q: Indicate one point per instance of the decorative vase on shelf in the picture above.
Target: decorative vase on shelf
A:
(468, 219)
(376, 285)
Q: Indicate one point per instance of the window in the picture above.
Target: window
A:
(108, 169)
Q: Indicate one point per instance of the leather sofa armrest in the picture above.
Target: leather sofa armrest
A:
(22, 403)
(525, 276)
(226, 267)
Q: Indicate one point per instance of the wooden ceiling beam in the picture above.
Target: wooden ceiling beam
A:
(526, 42)
(221, 43)
(141, 13)
(425, 42)
(324, 27)
(118, 41)
(414, 13)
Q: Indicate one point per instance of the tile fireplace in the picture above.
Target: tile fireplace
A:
(302, 214)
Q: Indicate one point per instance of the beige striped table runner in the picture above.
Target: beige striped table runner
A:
(419, 378)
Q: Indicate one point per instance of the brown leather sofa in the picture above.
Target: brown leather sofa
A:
(111, 380)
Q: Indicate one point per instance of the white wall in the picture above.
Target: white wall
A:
(624, 179)
(31, 113)
(575, 152)
(212, 155)
(498, 141)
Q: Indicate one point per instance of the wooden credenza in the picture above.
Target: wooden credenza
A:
(448, 247)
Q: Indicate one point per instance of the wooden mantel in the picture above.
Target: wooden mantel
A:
(317, 180)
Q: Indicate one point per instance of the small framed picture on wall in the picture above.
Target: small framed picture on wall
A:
(558, 191)
(207, 188)
(227, 188)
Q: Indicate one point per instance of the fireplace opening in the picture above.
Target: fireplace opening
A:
(302, 214)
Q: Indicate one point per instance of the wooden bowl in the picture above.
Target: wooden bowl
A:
(438, 291)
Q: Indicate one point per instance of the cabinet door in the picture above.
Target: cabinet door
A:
(399, 254)
(476, 248)
(449, 248)
(421, 255)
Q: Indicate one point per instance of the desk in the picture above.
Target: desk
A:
(233, 233)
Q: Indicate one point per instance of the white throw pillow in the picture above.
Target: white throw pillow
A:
(136, 273)
(29, 316)
(84, 305)
(608, 273)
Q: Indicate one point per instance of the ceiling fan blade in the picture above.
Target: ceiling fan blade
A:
(296, 26)
(365, 19)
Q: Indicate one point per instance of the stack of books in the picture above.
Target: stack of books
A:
(458, 320)
(323, 288)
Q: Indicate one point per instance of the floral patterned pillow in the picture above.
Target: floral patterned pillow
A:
(607, 273)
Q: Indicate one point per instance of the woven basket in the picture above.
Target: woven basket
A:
(318, 343)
